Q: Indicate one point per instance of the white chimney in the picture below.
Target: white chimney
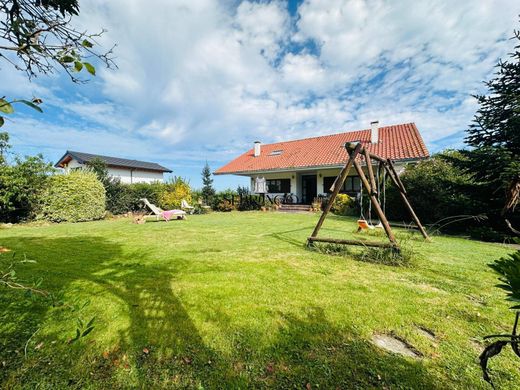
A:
(258, 148)
(374, 132)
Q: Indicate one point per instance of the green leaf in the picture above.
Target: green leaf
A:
(67, 59)
(89, 324)
(31, 104)
(1, 121)
(78, 66)
(90, 68)
(87, 44)
(78, 335)
(6, 107)
(86, 332)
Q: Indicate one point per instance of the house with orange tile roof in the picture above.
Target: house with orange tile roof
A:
(306, 168)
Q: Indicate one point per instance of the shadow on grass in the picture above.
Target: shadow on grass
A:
(161, 346)
(287, 237)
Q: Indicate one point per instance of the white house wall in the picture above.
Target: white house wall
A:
(295, 177)
(127, 176)
(278, 175)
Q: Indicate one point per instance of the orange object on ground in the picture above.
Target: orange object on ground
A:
(362, 224)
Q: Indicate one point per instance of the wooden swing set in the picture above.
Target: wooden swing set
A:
(354, 150)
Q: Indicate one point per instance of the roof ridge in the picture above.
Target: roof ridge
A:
(334, 134)
(114, 161)
(103, 155)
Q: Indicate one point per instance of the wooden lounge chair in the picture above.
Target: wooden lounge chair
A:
(187, 207)
(165, 215)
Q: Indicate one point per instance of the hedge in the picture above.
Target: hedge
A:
(76, 197)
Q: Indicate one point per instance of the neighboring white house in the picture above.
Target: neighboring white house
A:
(128, 171)
(308, 167)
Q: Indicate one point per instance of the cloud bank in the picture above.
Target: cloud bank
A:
(201, 80)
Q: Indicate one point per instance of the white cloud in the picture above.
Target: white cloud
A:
(203, 79)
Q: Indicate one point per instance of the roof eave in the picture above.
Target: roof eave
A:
(306, 168)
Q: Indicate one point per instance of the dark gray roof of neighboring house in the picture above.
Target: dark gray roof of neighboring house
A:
(83, 158)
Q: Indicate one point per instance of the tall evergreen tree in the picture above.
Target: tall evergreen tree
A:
(495, 137)
(207, 190)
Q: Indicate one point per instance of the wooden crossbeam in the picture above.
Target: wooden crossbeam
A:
(352, 242)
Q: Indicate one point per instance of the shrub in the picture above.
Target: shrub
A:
(227, 195)
(143, 190)
(509, 270)
(75, 197)
(249, 203)
(21, 186)
(486, 233)
(343, 205)
(225, 205)
(118, 196)
(437, 189)
(173, 192)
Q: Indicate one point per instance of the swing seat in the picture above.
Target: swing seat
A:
(364, 225)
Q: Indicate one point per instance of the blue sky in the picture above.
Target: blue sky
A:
(201, 80)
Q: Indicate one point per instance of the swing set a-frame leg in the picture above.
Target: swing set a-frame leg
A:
(390, 169)
(338, 184)
(375, 202)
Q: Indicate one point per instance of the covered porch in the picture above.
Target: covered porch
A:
(303, 186)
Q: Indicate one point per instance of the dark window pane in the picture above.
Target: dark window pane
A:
(327, 183)
(286, 185)
(279, 185)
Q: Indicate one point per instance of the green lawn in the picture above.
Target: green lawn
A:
(236, 301)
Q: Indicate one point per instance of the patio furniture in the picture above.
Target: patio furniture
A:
(165, 215)
(187, 207)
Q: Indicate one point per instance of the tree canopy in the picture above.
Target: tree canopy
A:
(207, 190)
(38, 37)
(494, 135)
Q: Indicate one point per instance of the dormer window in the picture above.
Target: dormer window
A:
(276, 152)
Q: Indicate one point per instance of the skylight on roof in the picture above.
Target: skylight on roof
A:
(276, 152)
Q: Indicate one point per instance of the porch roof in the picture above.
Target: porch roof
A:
(397, 142)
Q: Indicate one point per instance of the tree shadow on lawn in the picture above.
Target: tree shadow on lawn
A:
(161, 346)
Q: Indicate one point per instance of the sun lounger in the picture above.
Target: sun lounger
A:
(165, 215)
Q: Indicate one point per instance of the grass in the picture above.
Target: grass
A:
(236, 301)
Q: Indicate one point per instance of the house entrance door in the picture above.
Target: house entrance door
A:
(309, 188)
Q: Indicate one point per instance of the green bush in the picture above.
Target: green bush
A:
(486, 233)
(343, 205)
(75, 197)
(217, 202)
(21, 186)
(143, 190)
(118, 196)
(173, 192)
(437, 189)
(225, 206)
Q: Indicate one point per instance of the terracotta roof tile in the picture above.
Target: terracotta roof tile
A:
(397, 142)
